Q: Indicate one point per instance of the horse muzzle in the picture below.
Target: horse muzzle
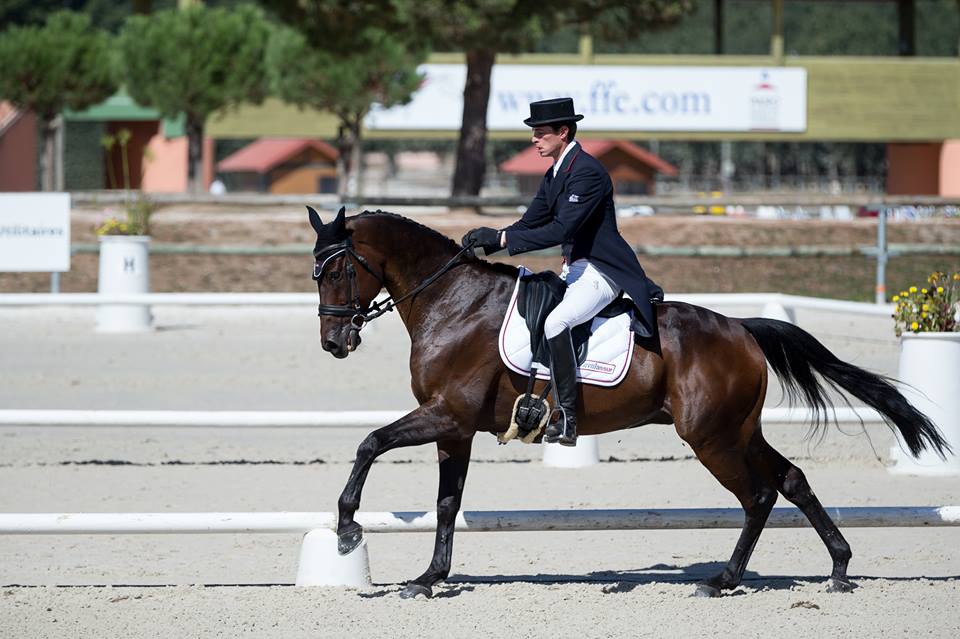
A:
(344, 342)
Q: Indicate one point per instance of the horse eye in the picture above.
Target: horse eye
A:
(334, 276)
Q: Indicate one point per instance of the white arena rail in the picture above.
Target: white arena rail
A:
(321, 564)
(709, 300)
(202, 419)
(468, 521)
(160, 299)
(316, 419)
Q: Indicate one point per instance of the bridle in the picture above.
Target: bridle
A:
(359, 314)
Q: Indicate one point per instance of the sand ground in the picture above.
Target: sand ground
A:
(561, 584)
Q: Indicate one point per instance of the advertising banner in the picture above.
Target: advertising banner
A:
(35, 232)
(615, 98)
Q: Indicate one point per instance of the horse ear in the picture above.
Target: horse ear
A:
(339, 223)
(315, 220)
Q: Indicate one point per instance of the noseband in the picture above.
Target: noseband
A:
(358, 313)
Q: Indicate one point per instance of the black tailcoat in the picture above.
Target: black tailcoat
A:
(575, 209)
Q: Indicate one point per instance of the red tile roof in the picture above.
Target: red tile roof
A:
(529, 162)
(266, 153)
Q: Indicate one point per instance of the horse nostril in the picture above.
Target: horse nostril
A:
(329, 345)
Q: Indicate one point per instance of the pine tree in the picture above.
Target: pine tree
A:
(64, 64)
(378, 68)
(196, 62)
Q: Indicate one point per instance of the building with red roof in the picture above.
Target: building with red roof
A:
(632, 168)
(282, 165)
(18, 149)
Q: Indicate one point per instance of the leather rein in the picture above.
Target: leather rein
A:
(358, 314)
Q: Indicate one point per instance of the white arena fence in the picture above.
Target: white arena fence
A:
(467, 521)
(320, 564)
(709, 300)
(313, 419)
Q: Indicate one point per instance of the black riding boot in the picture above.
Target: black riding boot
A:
(563, 369)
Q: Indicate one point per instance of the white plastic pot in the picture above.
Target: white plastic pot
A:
(930, 380)
(124, 270)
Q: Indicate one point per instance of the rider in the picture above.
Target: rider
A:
(573, 208)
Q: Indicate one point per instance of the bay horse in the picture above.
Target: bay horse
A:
(704, 372)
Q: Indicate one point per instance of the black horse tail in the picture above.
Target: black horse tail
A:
(795, 355)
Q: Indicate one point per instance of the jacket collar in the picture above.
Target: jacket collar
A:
(566, 157)
(566, 164)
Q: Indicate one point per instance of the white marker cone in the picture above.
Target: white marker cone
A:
(321, 564)
(585, 453)
(774, 310)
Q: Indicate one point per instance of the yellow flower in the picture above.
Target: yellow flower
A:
(923, 316)
(913, 289)
(914, 326)
(896, 298)
(956, 277)
(923, 290)
(939, 289)
(903, 293)
(925, 307)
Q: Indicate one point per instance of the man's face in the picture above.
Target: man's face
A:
(549, 142)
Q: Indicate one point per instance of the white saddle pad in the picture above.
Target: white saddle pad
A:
(608, 351)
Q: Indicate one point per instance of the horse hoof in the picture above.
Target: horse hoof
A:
(349, 539)
(839, 585)
(413, 590)
(706, 590)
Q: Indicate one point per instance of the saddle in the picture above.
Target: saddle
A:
(537, 295)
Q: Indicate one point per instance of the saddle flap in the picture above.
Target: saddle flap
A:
(538, 294)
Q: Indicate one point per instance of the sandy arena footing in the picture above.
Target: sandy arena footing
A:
(593, 584)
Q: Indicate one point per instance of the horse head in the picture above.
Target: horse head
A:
(347, 284)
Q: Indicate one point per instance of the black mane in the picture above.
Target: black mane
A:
(498, 267)
(432, 232)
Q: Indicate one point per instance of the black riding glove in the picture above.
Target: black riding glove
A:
(484, 237)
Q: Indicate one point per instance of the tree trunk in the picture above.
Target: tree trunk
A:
(356, 156)
(195, 183)
(471, 147)
(343, 151)
(773, 162)
(48, 141)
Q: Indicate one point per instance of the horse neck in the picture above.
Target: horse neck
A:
(411, 256)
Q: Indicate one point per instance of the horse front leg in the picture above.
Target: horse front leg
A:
(429, 423)
(454, 458)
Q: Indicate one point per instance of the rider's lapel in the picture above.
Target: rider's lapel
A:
(556, 186)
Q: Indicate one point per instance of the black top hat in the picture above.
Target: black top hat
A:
(552, 111)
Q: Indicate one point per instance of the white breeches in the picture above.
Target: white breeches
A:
(588, 291)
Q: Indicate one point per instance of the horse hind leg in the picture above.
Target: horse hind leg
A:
(756, 493)
(792, 483)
